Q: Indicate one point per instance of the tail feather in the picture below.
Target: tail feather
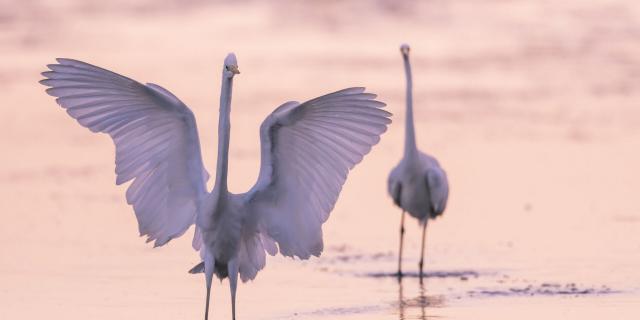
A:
(251, 259)
(219, 269)
(198, 268)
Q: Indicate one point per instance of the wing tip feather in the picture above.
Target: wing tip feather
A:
(50, 91)
(45, 82)
(67, 61)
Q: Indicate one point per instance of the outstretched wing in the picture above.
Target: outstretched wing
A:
(156, 140)
(307, 152)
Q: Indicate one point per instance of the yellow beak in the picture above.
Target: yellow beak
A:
(233, 69)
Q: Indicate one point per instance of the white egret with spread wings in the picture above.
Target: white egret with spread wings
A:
(307, 150)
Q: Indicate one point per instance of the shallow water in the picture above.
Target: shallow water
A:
(531, 107)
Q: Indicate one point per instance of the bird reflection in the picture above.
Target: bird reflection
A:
(400, 299)
(421, 301)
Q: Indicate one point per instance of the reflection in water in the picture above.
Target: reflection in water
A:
(462, 274)
(421, 301)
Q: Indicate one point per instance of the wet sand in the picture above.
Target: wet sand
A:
(531, 108)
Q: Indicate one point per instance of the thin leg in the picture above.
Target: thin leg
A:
(206, 308)
(208, 272)
(421, 264)
(401, 240)
(233, 283)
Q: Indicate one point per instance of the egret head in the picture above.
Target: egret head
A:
(404, 49)
(230, 66)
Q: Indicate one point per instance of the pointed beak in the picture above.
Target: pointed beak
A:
(234, 69)
(404, 49)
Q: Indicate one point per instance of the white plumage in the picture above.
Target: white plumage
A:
(418, 185)
(156, 142)
(307, 150)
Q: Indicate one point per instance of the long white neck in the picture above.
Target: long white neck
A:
(224, 131)
(410, 148)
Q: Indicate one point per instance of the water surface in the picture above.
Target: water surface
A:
(531, 107)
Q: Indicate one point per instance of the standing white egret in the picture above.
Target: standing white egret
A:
(307, 151)
(418, 185)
